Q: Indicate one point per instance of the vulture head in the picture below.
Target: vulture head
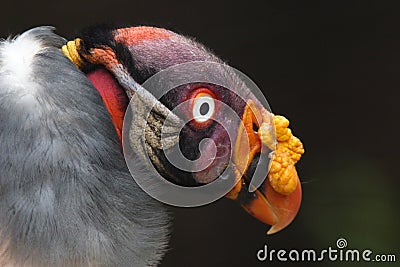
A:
(79, 119)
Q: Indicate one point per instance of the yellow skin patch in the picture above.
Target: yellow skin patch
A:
(70, 50)
(288, 150)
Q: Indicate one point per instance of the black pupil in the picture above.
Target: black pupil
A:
(204, 108)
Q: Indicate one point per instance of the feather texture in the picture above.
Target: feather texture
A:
(66, 196)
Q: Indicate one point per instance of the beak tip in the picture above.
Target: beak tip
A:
(288, 212)
(272, 230)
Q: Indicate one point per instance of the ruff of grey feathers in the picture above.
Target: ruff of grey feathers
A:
(66, 195)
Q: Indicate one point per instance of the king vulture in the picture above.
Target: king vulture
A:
(67, 197)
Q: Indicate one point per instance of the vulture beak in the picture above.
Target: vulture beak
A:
(264, 143)
(277, 200)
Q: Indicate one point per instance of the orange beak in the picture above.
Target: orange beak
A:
(277, 200)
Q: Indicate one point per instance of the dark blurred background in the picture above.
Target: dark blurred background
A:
(331, 67)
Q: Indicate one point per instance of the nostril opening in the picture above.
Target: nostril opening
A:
(255, 128)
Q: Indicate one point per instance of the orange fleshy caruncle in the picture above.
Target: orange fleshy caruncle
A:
(282, 174)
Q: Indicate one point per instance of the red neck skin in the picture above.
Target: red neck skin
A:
(113, 96)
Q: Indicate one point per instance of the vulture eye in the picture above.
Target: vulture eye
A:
(203, 107)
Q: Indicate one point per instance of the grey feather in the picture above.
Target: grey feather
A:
(66, 195)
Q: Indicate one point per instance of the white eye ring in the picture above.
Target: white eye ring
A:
(203, 108)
